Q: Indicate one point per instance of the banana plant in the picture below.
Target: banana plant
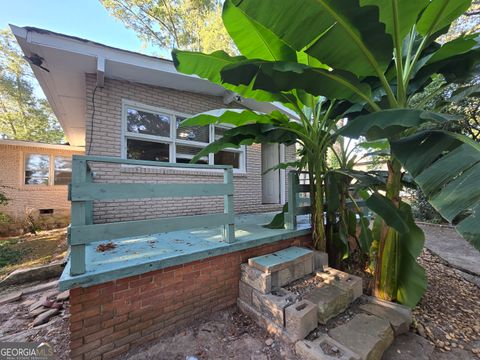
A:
(377, 54)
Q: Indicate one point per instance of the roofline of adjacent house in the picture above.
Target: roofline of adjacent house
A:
(34, 144)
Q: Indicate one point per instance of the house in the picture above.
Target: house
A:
(35, 178)
(155, 241)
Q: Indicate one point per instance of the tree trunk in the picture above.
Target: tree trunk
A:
(386, 268)
(318, 225)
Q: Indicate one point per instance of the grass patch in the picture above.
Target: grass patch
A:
(29, 250)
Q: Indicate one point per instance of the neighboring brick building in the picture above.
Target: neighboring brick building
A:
(34, 177)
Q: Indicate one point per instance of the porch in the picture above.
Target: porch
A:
(146, 245)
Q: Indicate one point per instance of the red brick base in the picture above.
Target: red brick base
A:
(108, 319)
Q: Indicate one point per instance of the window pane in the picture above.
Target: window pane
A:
(142, 122)
(37, 169)
(219, 131)
(186, 153)
(63, 170)
(227, 158)
(147, 150)
(192, 133)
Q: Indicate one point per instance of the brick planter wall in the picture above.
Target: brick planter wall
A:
(108, 319)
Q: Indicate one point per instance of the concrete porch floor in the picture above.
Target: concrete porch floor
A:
(137, 255)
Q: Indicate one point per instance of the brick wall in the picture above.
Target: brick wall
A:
(26, 198)
(109, 319)
(105, 139)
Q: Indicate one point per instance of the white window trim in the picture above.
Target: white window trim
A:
(51, 168)
(172, 140)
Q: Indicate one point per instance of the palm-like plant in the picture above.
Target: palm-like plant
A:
(368, 57)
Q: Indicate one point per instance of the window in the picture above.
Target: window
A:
(43, 169)
(155, 134)
(37, 169)
(63, 170)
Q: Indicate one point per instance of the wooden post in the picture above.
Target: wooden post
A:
(290, 216)
(78, 217)
(229, 229)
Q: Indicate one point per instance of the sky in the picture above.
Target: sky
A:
(87, 19)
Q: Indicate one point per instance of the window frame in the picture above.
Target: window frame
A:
(172, 141)
(51, 168)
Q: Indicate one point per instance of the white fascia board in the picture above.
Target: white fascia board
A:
(41, 145)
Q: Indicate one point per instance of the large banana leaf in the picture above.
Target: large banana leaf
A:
(440, 13)
(400, 14)
(236, 117)
(253, 39)
(208, 66)
(285, 76)
(340, 33)
(446, 166)
(386, 123)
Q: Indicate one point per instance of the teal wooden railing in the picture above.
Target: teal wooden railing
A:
(301, 206)
(294, 207)
(83, 191)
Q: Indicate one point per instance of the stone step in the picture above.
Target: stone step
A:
(342, 280)
(324, 348)
(399, 322)
(330, 301)
(366, 335)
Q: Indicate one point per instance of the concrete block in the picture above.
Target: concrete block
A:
(405, 310)
(300, 319)
(342, 280)
(255, 278)
(399, 322)
(369, 336)
(272, 305)
(280, 259)
(309, 265)
(320, 260)
(330, 301)
(324, 348)
(245, 292)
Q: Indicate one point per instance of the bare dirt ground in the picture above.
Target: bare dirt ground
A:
(228, 335)
(16, 322)
(32, 250)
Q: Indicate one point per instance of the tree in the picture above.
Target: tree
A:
(371, 56)
(186, 24)
(23, 116)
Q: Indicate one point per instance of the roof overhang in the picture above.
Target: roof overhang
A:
(32, 144)
(68, 59)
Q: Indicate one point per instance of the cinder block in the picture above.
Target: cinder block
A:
(342, 280)
(320, 260)
(256, 279)
(330, 301)
(280, 259)
(300, 319)
(324, 348)
(245, 292)
(273, 305)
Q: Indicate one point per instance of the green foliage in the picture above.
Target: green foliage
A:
(5, 219)
(8, 255)
(186, 24)
(388, 54)
(23, 116)
(422, 210)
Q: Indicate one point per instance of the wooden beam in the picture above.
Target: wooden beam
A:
(84, 234)
(100, 71)
(109, 191)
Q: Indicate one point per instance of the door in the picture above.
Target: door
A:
(271, 179)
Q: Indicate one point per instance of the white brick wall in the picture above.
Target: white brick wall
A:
(106, 140)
